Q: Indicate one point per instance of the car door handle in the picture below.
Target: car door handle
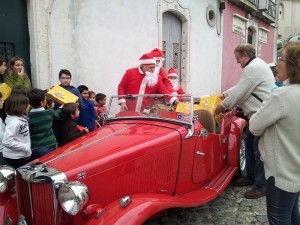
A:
(200, 153)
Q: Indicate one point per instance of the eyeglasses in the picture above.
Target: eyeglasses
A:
(65, 78)
(281, 59)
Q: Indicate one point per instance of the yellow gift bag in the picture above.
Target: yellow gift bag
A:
(62, 96)
(210, 103)
(5, 90)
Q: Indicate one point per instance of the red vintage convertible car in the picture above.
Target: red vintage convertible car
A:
(141, 162)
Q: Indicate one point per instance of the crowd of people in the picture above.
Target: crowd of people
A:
(35, 125)
(272, 141)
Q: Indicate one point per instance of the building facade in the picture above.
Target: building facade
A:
(97, 40)
(288, 18)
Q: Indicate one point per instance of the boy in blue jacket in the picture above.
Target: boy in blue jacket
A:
(87, 112)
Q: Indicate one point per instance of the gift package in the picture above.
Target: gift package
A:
(62, 96)
(206, 102)
(210, 103)
(5, 90)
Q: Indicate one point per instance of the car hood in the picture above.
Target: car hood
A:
(110, 146)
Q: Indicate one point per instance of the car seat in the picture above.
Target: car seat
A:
(207, 120)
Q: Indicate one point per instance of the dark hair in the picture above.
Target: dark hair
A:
(245, 49)
(293, 61)
(82, 88)
(2, 60)
(69, 109)
(16, 104)
(1, 95)
(64, 71)
(100, 96)
(36, 96)
(91, 93)
(49, 99)
(20, 90)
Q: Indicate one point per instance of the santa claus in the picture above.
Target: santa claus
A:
(159, 57)
(173, 77)
(142, 80)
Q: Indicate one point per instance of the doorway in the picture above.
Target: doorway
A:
(171, 42)
(14, 33)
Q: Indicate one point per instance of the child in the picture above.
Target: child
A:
(100, 108)
(87, 112)
(173, 77)
(92, 97)
(16, 139)
(40, 122)
(49, 101)
(19, 90)
(2, 128)
(69, 129)
(65, 78)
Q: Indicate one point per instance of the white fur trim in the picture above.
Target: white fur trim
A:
(159, 58)
(172, 75)
(147, 61)
(122, 100)
(172, 100)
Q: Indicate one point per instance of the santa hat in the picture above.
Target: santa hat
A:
(158, 54)
(147, 59)
(172, 73)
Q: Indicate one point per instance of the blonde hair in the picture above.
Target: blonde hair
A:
(12, 62)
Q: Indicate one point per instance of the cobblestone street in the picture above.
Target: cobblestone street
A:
(231, 208)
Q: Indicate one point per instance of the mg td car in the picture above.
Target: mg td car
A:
(143, 161)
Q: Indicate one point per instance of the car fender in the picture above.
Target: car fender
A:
(144, 206)
(8, 208)
(237, 126)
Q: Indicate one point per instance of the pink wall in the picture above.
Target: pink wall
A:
(230, 69)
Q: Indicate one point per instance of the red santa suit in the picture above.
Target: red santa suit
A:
(135, 81)
(175, 83)
(158, 55)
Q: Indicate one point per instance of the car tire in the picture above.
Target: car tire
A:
(242, 156)
(151, 222)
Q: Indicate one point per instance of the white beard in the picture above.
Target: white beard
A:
(151, 79)
(175, 84)
(157, 68)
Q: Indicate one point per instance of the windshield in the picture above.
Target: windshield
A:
(152, 107)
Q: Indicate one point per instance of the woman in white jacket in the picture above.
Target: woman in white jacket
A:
(278, 123)
(16, 139)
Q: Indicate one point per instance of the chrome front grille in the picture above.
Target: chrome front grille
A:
(36, 193)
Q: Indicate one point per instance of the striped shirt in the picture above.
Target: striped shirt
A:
(40, 126)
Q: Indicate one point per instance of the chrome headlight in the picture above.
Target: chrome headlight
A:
(7, 178)
(73, 197)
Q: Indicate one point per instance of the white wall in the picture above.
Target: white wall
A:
(289, 22)
(97, 40)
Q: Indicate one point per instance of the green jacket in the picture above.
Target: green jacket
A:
(14, 80)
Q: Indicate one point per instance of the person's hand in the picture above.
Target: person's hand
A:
(86, 130)
(219, 109)
(221, 96)
(21, 72)
(124, 106)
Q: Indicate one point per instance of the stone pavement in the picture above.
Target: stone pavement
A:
(230, 208)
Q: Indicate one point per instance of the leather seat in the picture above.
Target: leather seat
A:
(207, 120)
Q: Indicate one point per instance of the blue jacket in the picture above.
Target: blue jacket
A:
(87, 115)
